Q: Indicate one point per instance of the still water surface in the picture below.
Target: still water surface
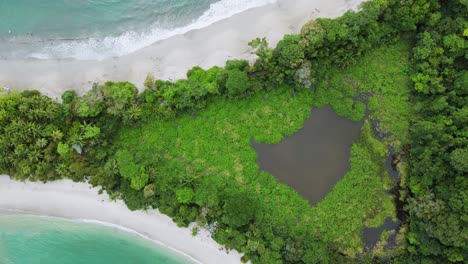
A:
(315, 158)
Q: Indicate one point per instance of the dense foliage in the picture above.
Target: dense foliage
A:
(184, 147)
(438, 203)
(30, 135)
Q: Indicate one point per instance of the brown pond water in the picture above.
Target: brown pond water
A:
(314, 159)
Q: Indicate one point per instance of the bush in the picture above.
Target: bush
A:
(241, 65)
(289, 54)
(237, 83)
(69, 96)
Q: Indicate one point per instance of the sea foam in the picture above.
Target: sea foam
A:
(102, 48)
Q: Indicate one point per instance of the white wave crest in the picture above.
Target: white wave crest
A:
(102, 48)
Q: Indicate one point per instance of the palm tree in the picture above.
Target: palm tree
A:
(132, 114)
(34, 130)
(347, 60)
(21, 151)
(57, 135)
(111, 167)
(77, 139)
(41, 143)
(34, 155)
(62, 170)
(189, 179)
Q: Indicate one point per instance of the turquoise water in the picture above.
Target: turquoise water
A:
(28, 239)
(98, 29)
(90, 18)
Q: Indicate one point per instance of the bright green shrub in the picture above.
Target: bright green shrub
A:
(237, 83)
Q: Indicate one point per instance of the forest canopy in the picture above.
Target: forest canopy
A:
(401, 65)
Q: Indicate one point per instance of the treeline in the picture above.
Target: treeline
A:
(438, 181)
(41, 139)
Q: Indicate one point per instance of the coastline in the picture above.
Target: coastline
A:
(170, 59)
(80, 202)
(167, 59)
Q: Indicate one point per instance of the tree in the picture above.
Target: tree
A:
(237, 83)
(238, 210)
(129, 170)
(289, 53)
(90, 131)
(41, 143)
(63, 149)
(184, 195)
(262, 49)
(406, 15)
(139, 180)
(77, 139)
(212, 80)
(68, 96)
(119, 96)
(89, 105)
(149, 191)
(132, 114)
(459, 159)
(241, 65)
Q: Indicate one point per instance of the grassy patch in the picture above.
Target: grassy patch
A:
(381, 77)
(360, 198)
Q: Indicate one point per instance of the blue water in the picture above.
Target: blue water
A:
(26, 239)
(98, 29)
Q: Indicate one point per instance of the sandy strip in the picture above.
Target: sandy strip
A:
(72, 200)
(171, 58)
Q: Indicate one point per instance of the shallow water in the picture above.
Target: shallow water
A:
(98, 29)
(315, 158)
(37, 240)
(372, 235)
(89, 18)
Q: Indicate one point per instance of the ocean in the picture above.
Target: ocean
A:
(27, 239)
(100, 29)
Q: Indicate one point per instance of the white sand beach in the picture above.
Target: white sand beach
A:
(171, 58)
(72, 200)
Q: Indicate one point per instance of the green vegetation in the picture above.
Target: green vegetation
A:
(184, 147)
(385, 86)
(438, 183)
(360, 198)
(30, 135)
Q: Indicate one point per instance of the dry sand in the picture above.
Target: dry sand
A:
(79, 201)
(171, 58)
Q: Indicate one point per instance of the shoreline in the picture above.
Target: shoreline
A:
(80, 202)
(173, 251)
(169, 59)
